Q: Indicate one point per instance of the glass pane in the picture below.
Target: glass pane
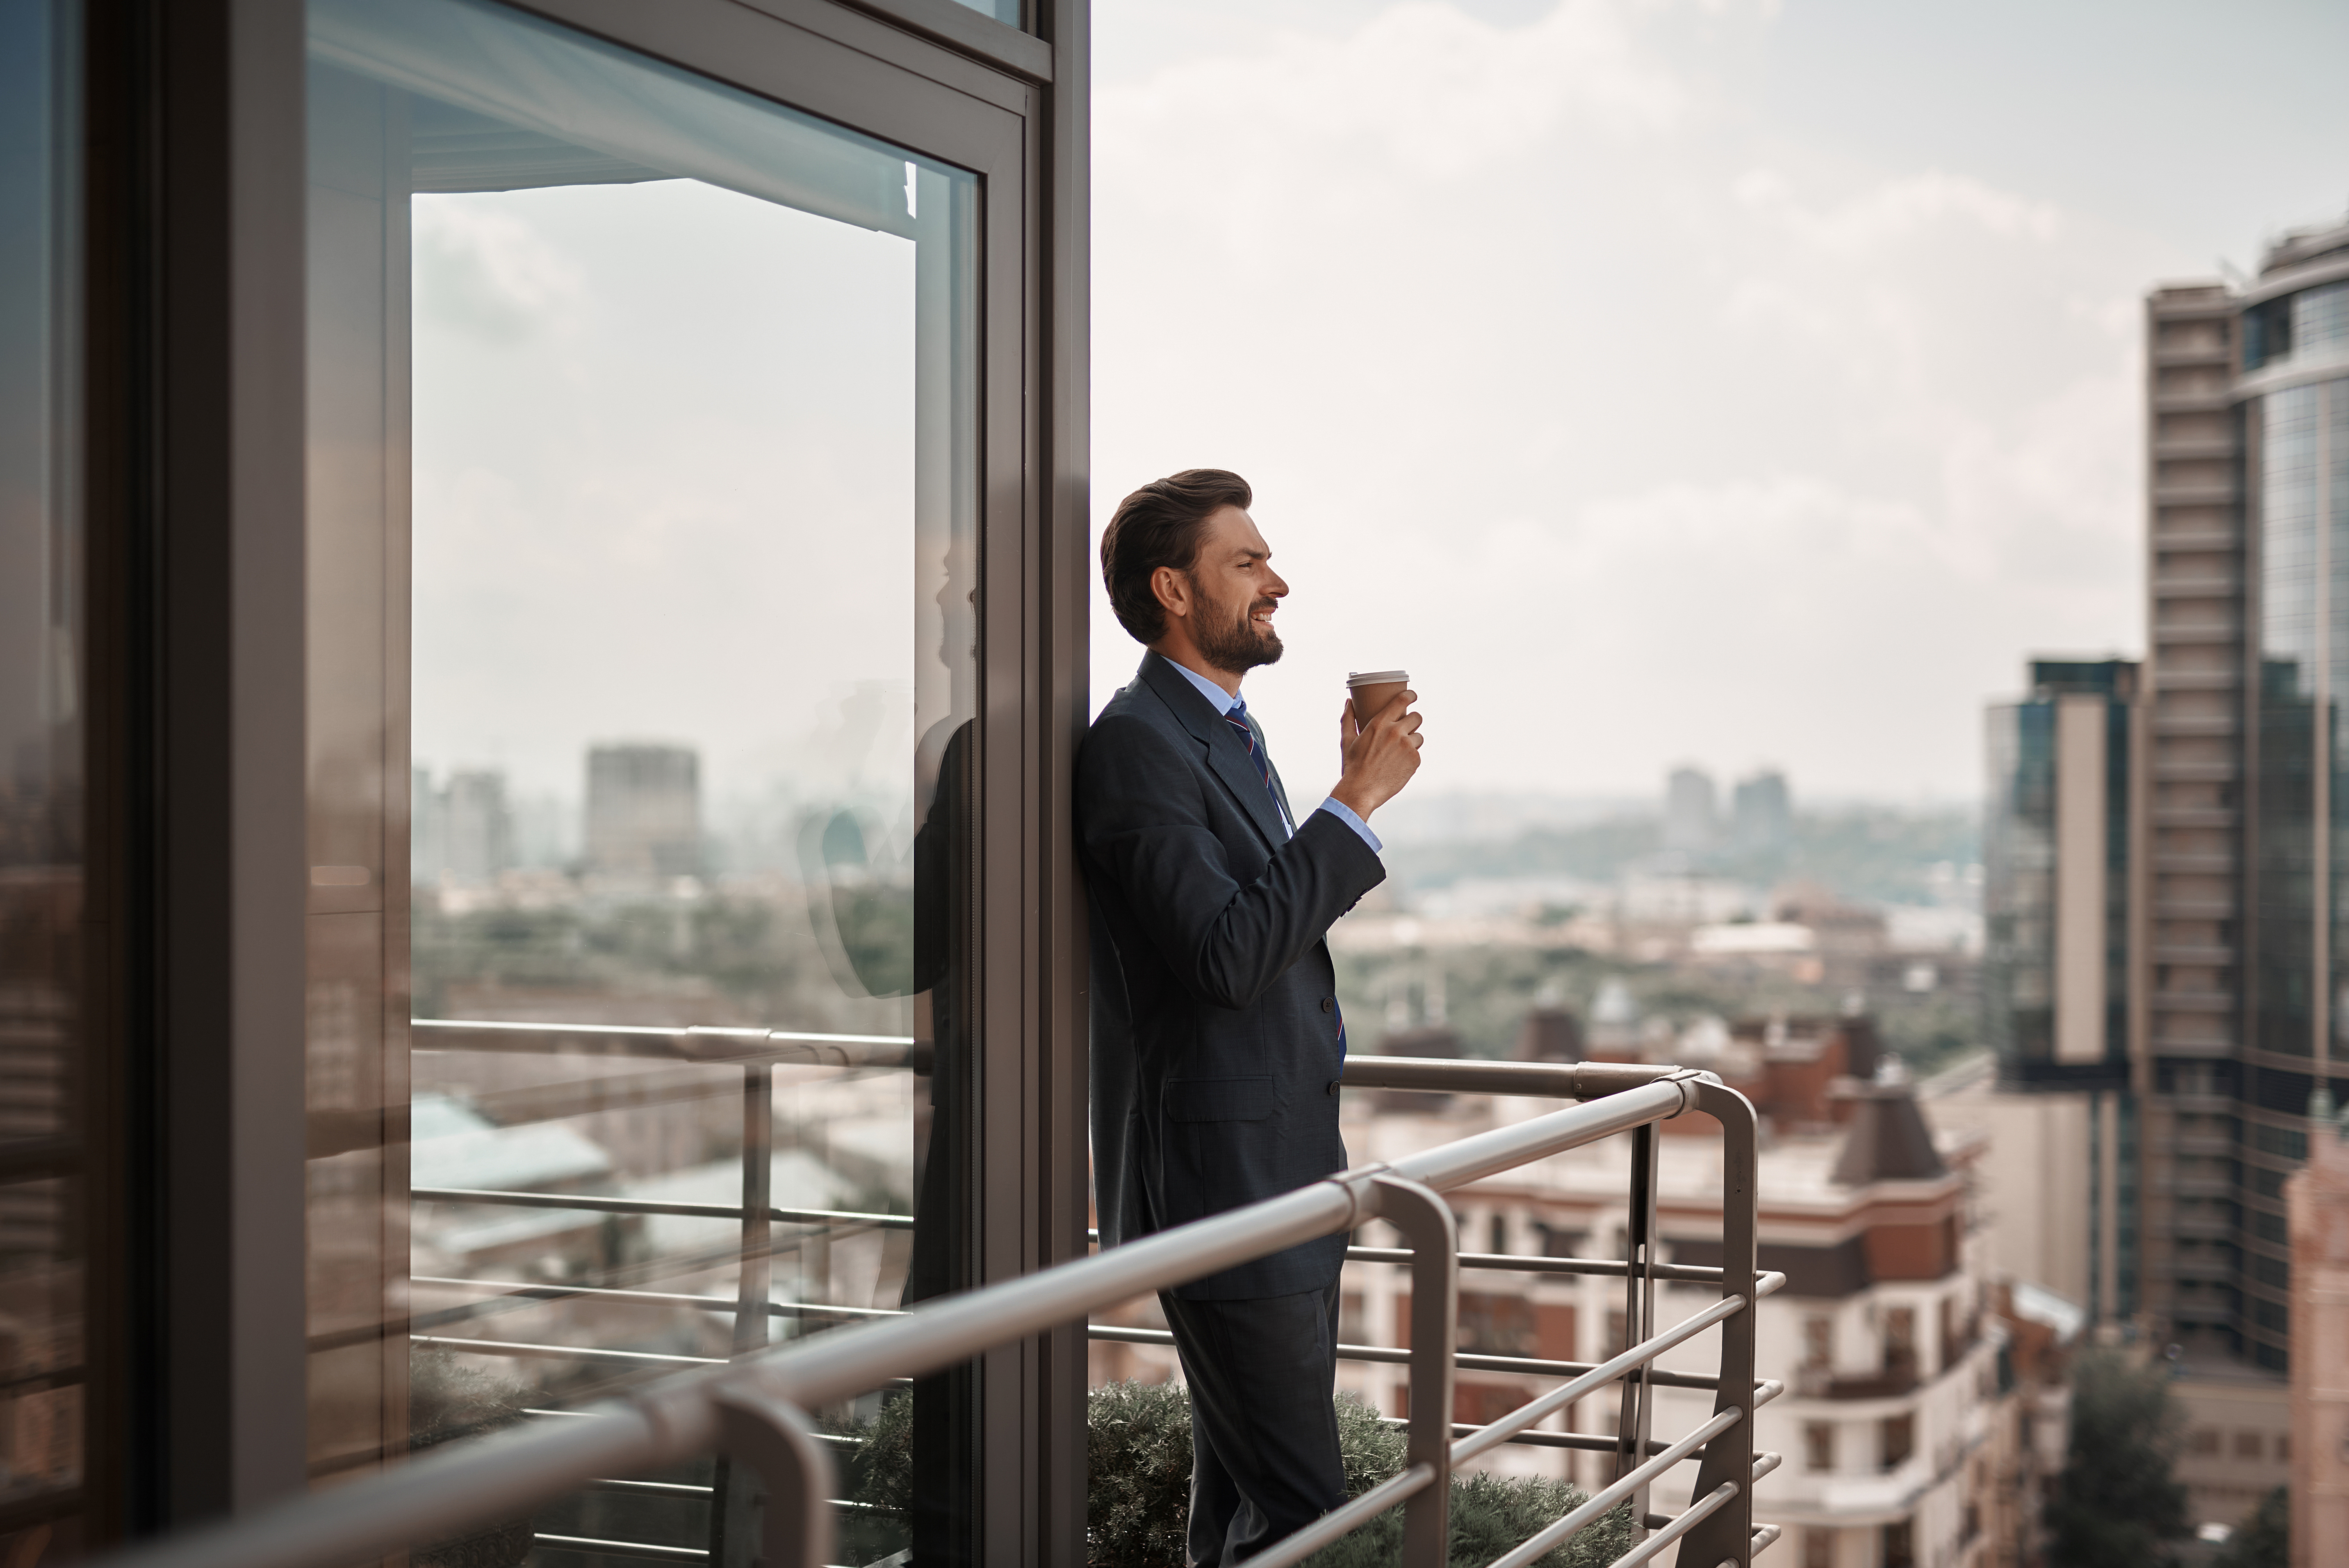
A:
(1004, 11)
(644, 617)
(42, 1039)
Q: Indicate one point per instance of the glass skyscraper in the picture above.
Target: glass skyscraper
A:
(2295, 438)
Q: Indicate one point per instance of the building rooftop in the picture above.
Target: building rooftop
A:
(1887, 1140)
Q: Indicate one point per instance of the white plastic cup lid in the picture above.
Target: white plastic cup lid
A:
(1376, 677)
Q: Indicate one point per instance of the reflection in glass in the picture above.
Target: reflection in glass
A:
(647, 797)
(43, 1041)
(2302, 511)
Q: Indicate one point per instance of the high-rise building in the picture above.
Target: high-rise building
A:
(428, 850)
(2248, 446)
(460, 832)
(643, 810)
(2057, 1010)
(2208, 1017)
(476, 826)
(2055, 891)
(2155, 936)
(1691, 811)
(1761, 814)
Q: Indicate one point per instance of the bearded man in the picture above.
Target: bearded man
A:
(1217, 1043)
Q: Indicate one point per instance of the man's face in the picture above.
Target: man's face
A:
(1237, 592)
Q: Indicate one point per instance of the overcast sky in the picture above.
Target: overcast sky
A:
(1726, 383)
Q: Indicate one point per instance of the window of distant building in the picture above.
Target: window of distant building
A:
(1818, 1548)
(1818, 1340)
(1819, 1445)
(1494, 1325)
(1899, 1441)
(1900, 1544)
(1899, 1338)
(1558, 1241)
(2205, 1442)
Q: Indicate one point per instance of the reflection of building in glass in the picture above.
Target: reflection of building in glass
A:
(643, 810)
(1688, 811)
(1761, 814)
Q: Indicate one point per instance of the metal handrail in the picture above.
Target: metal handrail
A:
(714, 1044)
(752, 1408)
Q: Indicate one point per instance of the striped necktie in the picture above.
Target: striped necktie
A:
(1237, 717)
(1238, 720)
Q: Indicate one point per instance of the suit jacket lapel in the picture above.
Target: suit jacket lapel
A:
(1227, 754)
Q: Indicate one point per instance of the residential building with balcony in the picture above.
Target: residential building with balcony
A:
(1897, 1428)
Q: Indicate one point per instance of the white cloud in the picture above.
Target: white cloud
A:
(491, 274)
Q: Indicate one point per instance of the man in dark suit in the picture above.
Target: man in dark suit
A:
(1216, 1039)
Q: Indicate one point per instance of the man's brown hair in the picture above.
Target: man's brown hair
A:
(1161, 524)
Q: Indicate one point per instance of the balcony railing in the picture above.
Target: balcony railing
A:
(753, 1408)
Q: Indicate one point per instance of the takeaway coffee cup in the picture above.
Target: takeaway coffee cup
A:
(1372, 690)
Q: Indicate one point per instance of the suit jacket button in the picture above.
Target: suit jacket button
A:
(1329, 1004)
(1333, 1088)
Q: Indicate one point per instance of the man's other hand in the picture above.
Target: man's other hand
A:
(1380, 756)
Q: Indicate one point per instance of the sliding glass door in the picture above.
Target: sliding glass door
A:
(645, 535)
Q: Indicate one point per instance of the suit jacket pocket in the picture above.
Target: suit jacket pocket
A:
(1219, 1100)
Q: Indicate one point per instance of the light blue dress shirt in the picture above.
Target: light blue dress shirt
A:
(1222, 702)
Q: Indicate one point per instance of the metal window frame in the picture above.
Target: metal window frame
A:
(195, 460)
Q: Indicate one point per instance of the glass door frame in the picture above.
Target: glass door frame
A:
(197, 749)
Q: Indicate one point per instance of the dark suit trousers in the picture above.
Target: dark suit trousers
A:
(1264, 1432)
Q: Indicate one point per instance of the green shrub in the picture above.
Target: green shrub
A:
(1492, 1514)
(1138, 1457)
(1138, 1453)
(879, 1471)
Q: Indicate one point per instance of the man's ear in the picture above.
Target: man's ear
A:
(1173, 590)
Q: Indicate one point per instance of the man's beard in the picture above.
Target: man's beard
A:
(1235, 646)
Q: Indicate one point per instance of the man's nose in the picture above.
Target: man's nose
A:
(1275, 586)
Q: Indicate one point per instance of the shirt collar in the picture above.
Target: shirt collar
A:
(1219, 699)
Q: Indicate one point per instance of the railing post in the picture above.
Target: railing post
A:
(775, 1437)
(1427, 1221)
(1727, 1536)
(1635, 1414)
(732, 1509)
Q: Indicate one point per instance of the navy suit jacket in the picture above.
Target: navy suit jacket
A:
(1216, 1049)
